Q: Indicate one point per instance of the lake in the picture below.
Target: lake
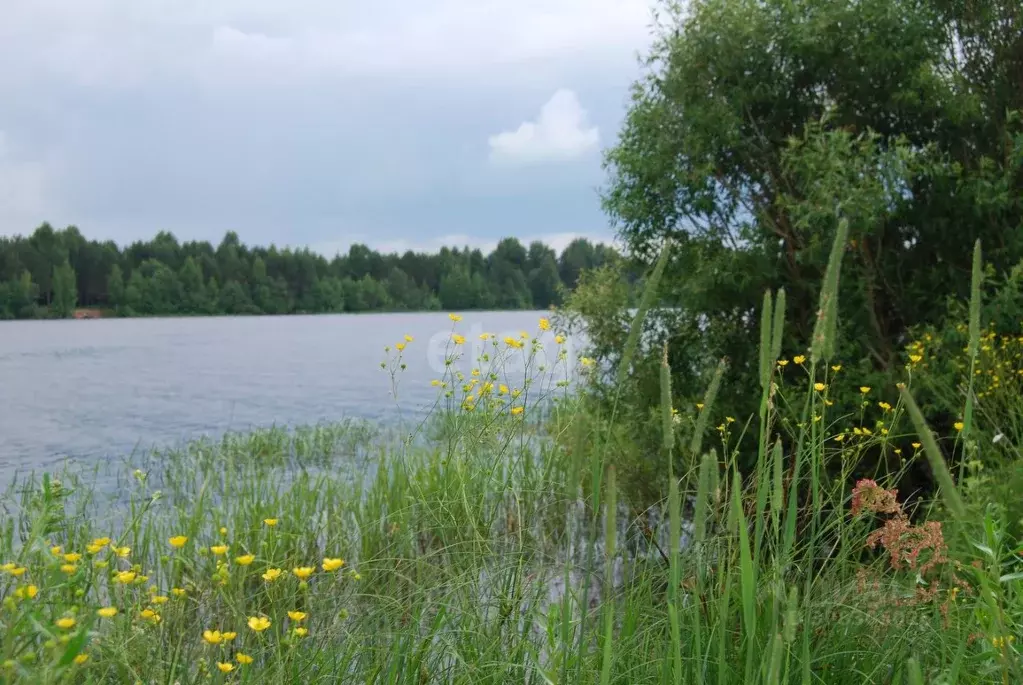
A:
(95, 389)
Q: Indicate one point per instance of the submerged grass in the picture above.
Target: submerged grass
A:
(493, 546)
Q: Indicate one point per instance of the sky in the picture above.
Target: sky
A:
(401, 124)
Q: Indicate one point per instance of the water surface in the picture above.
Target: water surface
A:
(89, 390)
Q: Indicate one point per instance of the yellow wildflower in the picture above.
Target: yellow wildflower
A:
(885, 406)
(297, 616)
(408, 338)
(455, 317)
(229, 635)
(178, 541)
(730, 419)
(124, 577)
(102, 542)
(915, 358)
(93, 548)
(400, 347)
(122, 551)
(66, 623)
(586, 361)
(515, 411)
(243, 658)
(178, 592)
(225, 666)
(29, 591)
(56, 550)
(819, 387)
(150, 615)
(545, 325)
(502, 389)
(303, 572)
(457, 339)
(17, 571)
(524, 335)
(270, 522)
(330, 564)
(301, 632)
(81, 658)
(836, 368)
(158, 599)
(68, 568)
(259, 623)
(916, 445)
(864, 389)
(559, 339)
(245, 559)
(783, 362)
(799, 359)
(484, 336)
(107, 612)
(512, 342)
(219, 550)
(272, 574)
(958, 425)
(212, 637)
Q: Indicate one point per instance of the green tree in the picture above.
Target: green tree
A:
(65, 290)
(761, 123)
(116, 296)
(193, 291)
(234, 300)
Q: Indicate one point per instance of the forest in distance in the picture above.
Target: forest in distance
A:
(52, 273)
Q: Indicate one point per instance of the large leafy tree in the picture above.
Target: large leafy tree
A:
(760, 123)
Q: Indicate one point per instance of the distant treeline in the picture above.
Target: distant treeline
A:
(52, 272)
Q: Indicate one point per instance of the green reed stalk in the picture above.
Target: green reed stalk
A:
(674, 519)
(767, 363)
(823, 343)
(748, 576)
(647, 299)
(704, 416)
(934, 456)
(973, 346)
(610, 532)
(778, 326)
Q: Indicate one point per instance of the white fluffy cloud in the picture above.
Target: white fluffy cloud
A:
(560, 133)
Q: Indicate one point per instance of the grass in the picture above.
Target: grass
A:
(491, 545)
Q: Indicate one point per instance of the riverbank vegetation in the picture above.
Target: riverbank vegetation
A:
(51, 272)
(493, 542)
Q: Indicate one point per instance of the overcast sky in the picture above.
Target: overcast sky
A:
(398, 123)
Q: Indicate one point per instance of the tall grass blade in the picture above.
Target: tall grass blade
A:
(704, 488)
(704, 416)
(649, 294)
(748, 584)
(976, 280)
(823, 343)
(667, 412)
(934, 456)
(610, 531)
(766, 363)
(778, 326)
